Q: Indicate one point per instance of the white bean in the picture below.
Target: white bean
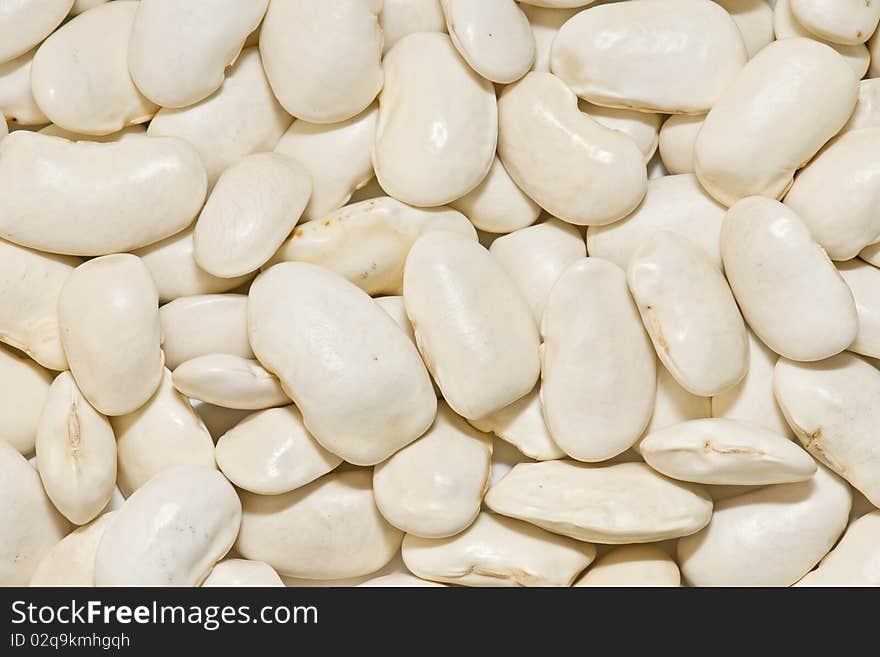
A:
(271, 452)
(108, 311)
(576, 169)
(674, 404)
(769, 537)
(624, 503)
(788, 290)
(498, 551)
(673, 57)
(873, 47)
(752, 399)
(493, 36)
(598, 370)
(240, 118)
(789, 100)
(323, 60)
(242, 572)
(473, 328)
(673, 203)
(676, 142)
(396, 580)
(79, 6)
(841, 21)
(522, 425)
(368, 242)
(72, 561)
(434, 486)
(545, 23)
(174, 269)
(204, 324)
(786, 26)
(535, 257)
(329, 529)
(871, 254)
(17, 102)
(253, 208)
(833, 407)
(402, 17)
(24, 24)
(171, 531)
(30, 283)
(158, 185)
(633, 565)
(437, 129)
(229, 381)
(690, 314)
(754, 18)
(867, 111)
(855, 561)
(497, 205)
(163, 433)
(642, 127)
(835, 194)
(31, 524)
(726, 452)
(76, 452)
(338, 157)
(24, 388)
(396, 309)
(179, 51)
(360, 384)
(80, 76)
(864, 282)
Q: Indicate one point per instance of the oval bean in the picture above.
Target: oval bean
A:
(789, 291)
(253, 208)
(24, 388)
(32, 525)
(80, 76)
(498, 551)
(178, 52)
(690, 314)
(673, 57)
(337, 156)
(674, 203)
(434, 486)
(158, 185)
(473, 328)
(769, 537)
(363, 390)
(726, 452)
(109, 317)
(171, 531)
(368, 242)
(163, 433)
(576, 169)
(624, 503)
(76, 452)
(271, 452)
(329, 529)
(240, 118)
(438, 122)
(204, 324)
(598, 376)
(833, 406)
(787, 101)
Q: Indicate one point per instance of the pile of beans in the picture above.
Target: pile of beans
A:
(428, 292)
